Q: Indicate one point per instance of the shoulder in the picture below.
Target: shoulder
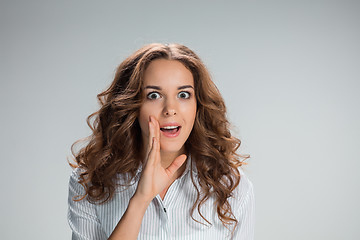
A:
(245, 189)
(75, 174)
(82, 215)
(75, 188)
(243, 206)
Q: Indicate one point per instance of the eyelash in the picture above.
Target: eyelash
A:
(186, 92)
(150, 93)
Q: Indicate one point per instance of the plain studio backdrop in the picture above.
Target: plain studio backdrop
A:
(288, 71)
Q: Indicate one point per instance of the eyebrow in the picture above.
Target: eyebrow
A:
(159, 88)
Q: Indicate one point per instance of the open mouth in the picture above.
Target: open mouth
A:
(170, 129)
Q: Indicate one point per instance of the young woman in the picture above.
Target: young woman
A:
(161, 162)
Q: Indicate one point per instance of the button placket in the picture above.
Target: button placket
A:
(163, 214)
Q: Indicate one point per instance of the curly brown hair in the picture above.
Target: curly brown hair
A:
(116, 123)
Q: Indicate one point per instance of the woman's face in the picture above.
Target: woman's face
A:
(170, 98)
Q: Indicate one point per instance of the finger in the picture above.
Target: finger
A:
(176, 164)
(151, 134)
(157, 137)
(156, 128)
(157, 151)
(152, 154)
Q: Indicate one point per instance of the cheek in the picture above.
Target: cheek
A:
(189, 111)
(143, 120)
(192, 108)
(145, 112)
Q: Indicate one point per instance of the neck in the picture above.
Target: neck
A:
(168, 157)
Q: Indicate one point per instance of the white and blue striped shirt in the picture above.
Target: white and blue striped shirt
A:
(164, 219)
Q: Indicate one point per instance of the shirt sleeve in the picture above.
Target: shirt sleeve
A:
(82, 217)
(246, 216)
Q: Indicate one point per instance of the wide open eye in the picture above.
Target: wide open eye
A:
(153, 95)
(184, 95)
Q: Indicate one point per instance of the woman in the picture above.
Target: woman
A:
(161, 162)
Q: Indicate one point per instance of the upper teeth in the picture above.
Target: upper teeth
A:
(170, 127)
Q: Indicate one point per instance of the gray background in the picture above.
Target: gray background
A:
(288, 71)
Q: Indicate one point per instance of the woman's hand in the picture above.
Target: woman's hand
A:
(155, 178)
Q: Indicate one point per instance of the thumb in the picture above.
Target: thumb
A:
(176, 164)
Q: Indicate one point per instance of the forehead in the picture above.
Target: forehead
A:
(167, 73)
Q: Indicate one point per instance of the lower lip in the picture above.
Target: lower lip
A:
(171, 135)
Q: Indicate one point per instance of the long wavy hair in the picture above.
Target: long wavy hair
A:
(112, 148)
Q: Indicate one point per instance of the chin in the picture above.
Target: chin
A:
(171, 148)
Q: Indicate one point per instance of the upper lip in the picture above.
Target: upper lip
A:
(170, 124)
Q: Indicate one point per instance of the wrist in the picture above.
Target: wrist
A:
(140, 202)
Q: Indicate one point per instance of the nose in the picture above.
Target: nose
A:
(169, 108)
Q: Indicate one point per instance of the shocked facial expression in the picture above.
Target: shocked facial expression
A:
(169, 95)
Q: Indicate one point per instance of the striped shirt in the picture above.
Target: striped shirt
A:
(169, 218)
